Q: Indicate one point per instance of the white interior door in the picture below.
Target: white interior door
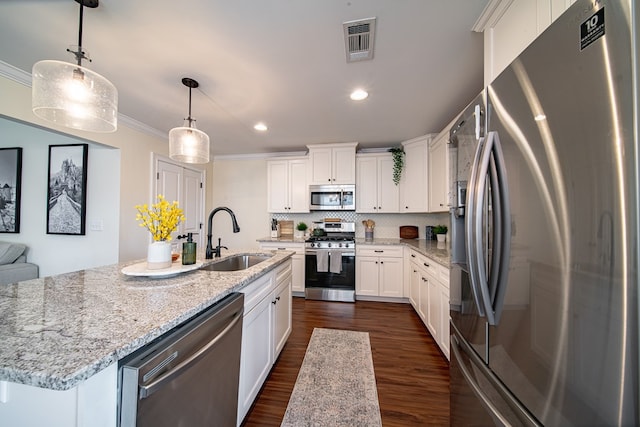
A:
(176, 182)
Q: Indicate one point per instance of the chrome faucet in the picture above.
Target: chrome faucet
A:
(210, 250)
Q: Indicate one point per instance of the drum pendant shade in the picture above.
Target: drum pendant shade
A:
(71, 95)
(188, 144)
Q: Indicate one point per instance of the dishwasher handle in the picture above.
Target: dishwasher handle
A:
(149, 389)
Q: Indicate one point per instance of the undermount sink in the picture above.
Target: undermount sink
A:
(236, 263)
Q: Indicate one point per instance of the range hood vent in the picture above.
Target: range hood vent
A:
(359, 38)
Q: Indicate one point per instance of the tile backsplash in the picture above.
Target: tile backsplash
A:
(387, 225)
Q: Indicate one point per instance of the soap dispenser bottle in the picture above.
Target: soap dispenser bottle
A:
(189, 250)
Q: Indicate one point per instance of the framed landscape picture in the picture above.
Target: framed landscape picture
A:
(10, 181)
(67, 189)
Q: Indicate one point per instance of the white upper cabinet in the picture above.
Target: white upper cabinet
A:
(376, 192)
(333, 163)
(414, 181)
(287, 189)
(439, 173)
(509, 26)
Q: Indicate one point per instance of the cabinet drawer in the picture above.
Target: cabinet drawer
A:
(282, 272)
(255, 291)
(425, 263)
(383, 250)
(283, 246)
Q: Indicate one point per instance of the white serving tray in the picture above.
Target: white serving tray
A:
(140, 269)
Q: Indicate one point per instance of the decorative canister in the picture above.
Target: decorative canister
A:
(368, 233)
(428, 233)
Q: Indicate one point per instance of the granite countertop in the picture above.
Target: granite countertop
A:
(58, 331)
(439, 252)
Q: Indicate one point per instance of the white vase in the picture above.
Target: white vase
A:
(159, 255)
(441, 237)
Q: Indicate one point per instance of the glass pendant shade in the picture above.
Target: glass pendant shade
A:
(188, 145)
(74, 96)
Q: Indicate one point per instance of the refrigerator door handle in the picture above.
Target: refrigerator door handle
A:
(470, 236)
(502, 238)
(490, 165)
(476, 245)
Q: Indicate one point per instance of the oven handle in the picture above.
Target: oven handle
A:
(348, 253)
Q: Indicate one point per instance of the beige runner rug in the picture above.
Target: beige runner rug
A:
(336, 385)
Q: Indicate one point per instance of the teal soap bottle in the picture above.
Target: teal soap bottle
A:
(189, 250)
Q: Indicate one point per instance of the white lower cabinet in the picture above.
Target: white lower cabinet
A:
(429, 295)
(297, 261)
(266, 326)
(443, 340)
(379, 271)
(281, 309)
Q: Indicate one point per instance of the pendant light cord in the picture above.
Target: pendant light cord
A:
(189, 117)
(79, 54)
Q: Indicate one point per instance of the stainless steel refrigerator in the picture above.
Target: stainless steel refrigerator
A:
(544, 310)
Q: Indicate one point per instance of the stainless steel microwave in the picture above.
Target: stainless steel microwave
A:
(332, 197)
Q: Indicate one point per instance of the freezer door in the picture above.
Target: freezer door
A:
(567, 342)
(477, 397)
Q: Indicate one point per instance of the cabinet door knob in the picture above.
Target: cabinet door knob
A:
(273, 302)
(277, 298)
(425, 264)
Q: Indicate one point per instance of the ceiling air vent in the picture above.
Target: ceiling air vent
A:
(358, 39)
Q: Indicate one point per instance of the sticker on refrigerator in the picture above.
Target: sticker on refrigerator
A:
(592, 29)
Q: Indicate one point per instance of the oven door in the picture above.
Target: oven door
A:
(318, 284)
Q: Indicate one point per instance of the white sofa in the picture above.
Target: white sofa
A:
(13, 264)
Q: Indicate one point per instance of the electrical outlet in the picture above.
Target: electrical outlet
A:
(96, 225)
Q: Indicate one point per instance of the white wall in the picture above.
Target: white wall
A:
(134, 185)
(240, 185)
(59, 253)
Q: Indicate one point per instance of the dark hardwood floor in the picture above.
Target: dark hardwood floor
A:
(412, 375)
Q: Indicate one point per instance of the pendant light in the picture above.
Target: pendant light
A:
(71, 95)
(188, 144)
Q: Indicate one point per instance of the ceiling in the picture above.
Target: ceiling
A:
(281, 62)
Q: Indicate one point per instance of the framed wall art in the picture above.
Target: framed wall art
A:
(67, 189)
(10, 182)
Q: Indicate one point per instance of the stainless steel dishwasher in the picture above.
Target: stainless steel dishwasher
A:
(188, 376)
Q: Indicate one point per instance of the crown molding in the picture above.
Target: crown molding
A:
(255, 156)
(491, 15)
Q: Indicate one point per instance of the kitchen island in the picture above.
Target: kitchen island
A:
(60, 332)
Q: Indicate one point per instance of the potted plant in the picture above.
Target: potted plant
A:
(440, 231)
(301, 229)
(398, 163)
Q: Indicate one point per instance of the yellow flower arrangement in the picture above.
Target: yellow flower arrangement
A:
(161, 219)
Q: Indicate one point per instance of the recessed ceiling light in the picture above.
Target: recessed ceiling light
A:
(260, 127)
(359, 95)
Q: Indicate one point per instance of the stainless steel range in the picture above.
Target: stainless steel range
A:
(330, 262)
